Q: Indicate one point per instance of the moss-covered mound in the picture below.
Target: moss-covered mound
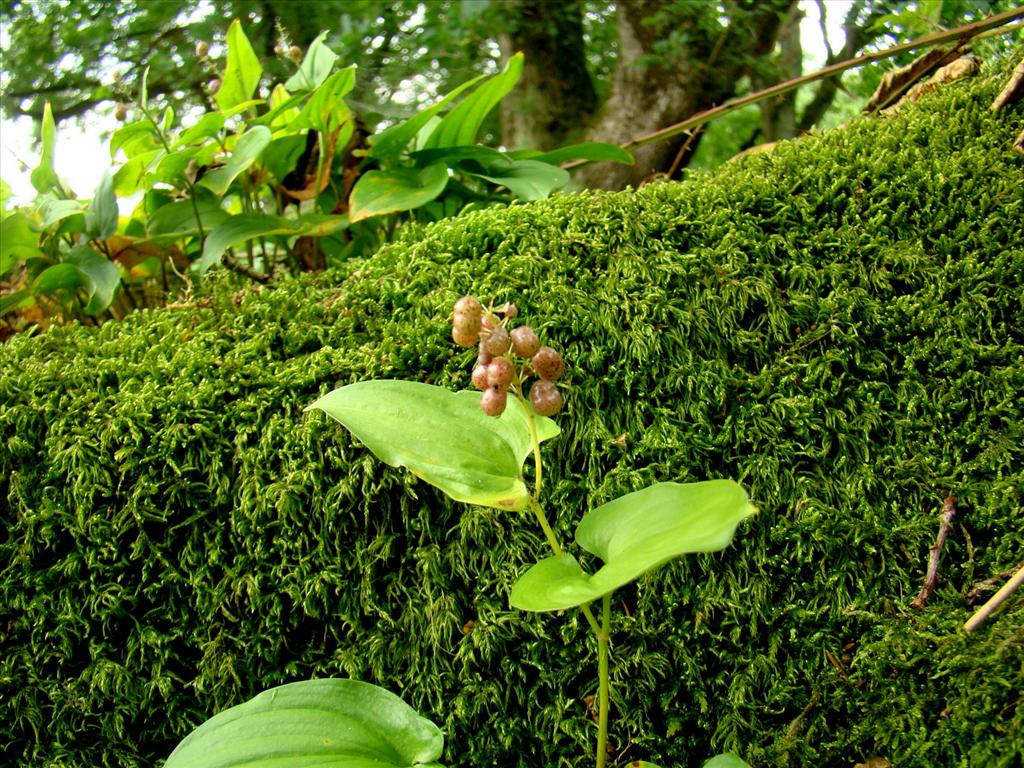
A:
(839, 326)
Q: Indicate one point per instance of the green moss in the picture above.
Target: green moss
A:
(838, 325)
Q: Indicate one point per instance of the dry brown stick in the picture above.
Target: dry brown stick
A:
(994, 602)
(931, 579)
(975, 593)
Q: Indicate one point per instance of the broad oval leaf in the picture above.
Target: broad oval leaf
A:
(57, 278)
(246, 151)
(54, 211)
(526, 179)
(101, 216)
(206, 127)
(101, 277)
(726, 760)
(401, 189)
(246, 226)
(178, 219)
(326, 109)
(442, 437)
(17, 241)
(134, 138)
(315, 67)
(634, 534)
(242, 74)
(331, 723)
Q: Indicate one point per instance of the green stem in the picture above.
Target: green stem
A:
(603, 680)
(538, 510)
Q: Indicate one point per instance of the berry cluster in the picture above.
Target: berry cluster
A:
(507, 357)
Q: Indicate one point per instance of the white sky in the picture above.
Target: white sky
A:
(82, 155)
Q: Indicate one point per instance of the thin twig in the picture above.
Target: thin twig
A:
(961, 35)
(994, 602)
(230, 261)
(931, 580)
(981, 586)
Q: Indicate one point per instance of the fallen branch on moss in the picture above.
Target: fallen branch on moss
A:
(931, 579)
(981, 586)
(994, 602)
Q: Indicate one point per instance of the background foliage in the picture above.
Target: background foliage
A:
(837, 325)
(595, 69)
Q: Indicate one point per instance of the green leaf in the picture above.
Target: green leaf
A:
(131, 176)
(452, 155)
(17, 300)
(526, 179)
(144, 90)
(5, 195)
(727, 760)
(206, 127)
(387, 146)
(326, 109)
(591, 151)
(135, 139)
(242, 74)
(246, 151)
(54, 211)
(462, 124)
(100, 277)
(634, 534)
(442, 437)
(247, 226)
(57, 278)
(331, 723)
(178, 219)
(315, 67)
(101, 215)
(17, 241)
(401, 189)
(44, 177)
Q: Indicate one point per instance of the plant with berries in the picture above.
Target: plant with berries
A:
(499, 425)
(507, 357)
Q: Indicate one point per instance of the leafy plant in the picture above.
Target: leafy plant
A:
(262, 186)
(410, 424)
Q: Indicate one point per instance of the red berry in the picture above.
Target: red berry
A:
(480, 377)
(463, 336)
(468, 305)
(525, 341)
(497, 342)
(548, 364)
(468, 321)
(545, 398)
(500, 373)
(493, 401)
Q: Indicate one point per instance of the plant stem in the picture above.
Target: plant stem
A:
(538, 510)
(603, 680)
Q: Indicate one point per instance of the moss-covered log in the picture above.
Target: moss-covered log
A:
(838, 325)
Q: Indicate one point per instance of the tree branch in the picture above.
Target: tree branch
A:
(961, 35)
(931, 579)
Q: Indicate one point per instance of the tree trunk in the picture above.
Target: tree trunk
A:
(658, 84)
(555, 96)
(778, 115)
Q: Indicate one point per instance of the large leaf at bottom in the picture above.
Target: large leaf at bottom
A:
(442, 437)
(634, 534)
(325, 723)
